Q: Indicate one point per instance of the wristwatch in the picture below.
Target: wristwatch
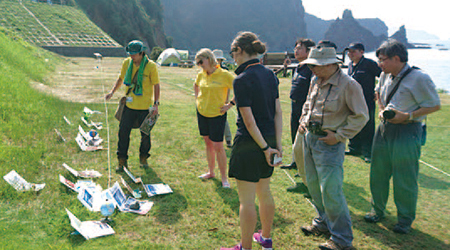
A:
(156, 103)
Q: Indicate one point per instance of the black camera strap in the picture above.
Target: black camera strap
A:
(323, 107)
(388, 99)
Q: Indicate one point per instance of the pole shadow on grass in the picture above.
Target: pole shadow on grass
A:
(166, 208)
(356, 197)
(429, 182)
(382, 232)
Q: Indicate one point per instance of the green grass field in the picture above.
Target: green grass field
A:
(198, 215)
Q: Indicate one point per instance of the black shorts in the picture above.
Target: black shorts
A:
(213, 127)
(247, 161)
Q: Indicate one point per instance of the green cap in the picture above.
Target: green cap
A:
(135, 47)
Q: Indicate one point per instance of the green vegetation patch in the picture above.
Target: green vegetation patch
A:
(199, 214)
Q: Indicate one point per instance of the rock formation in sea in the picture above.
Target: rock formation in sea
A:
(400, 36)
(348, 30)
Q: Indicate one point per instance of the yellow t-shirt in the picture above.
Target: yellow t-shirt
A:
(150, 78)
(213, 90)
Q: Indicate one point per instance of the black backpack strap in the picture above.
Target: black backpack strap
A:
(133, 84)
(398, 84)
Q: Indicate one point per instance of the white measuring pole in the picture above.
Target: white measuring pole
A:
(100, 63)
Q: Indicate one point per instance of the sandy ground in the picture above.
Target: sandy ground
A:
(87, 80)
(82, 79)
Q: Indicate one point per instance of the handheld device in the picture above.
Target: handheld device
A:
(275, 159)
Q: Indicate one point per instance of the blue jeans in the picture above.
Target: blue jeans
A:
(325, 176)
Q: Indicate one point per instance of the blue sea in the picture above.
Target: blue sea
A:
(434, 61)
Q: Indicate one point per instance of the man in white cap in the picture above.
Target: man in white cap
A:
(335, 110)
(220, 59)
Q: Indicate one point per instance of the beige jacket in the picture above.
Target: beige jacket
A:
(345, 110)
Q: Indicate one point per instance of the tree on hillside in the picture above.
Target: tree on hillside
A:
(126, 20)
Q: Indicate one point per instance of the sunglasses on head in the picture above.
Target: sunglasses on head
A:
(233, 50)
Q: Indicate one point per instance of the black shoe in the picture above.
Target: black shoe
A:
(122, 163)
(401, 229)
(372, 217)
(298, 188)
(292, 166)
(229, 144)
(143, 161)
(367, 159)
(313, 230)
(119, 169)
(352, 152)
(332, 245)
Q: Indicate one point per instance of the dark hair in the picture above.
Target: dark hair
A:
(391, 48)
(307, 43)
(249, 43)
(326, 43)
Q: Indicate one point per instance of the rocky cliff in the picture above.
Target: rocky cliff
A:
(197, 24)
(347, 30)
(400, 36)
(125, 20)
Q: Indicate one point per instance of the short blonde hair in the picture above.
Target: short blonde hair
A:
(206, 54)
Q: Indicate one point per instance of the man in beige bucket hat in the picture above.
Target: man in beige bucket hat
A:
(334, 111)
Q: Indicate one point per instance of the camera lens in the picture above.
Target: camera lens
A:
(388, 114)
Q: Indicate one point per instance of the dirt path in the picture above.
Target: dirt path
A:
(82, 80)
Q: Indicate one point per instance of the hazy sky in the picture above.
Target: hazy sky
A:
(431, 16)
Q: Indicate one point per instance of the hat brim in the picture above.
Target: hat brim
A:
(321, 62)
(133, 53)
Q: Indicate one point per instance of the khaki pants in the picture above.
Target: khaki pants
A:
(297, 150)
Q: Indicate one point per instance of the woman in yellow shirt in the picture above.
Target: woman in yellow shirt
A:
(211, 88)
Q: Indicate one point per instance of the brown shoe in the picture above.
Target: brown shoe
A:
(122, 163)
(143, 161)
(313, 230)
(331, 245)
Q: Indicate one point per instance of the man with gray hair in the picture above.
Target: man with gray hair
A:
(335, 110)
(406, 95)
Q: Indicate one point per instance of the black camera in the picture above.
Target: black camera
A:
(388, 114)
(316, 128)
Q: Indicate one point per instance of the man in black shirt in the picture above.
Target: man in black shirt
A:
(364, 71)
(301, 79)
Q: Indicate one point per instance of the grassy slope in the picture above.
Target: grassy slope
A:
(199, 215)
(69, 24)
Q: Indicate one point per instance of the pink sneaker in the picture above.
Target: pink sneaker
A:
(237, 247)
(266, 244)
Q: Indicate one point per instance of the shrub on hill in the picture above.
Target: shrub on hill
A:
(127, 20)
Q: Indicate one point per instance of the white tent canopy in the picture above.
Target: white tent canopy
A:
(172, 56)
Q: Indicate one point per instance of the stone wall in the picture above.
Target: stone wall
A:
(87, 51)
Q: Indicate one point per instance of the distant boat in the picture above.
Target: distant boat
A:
(421, 46)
